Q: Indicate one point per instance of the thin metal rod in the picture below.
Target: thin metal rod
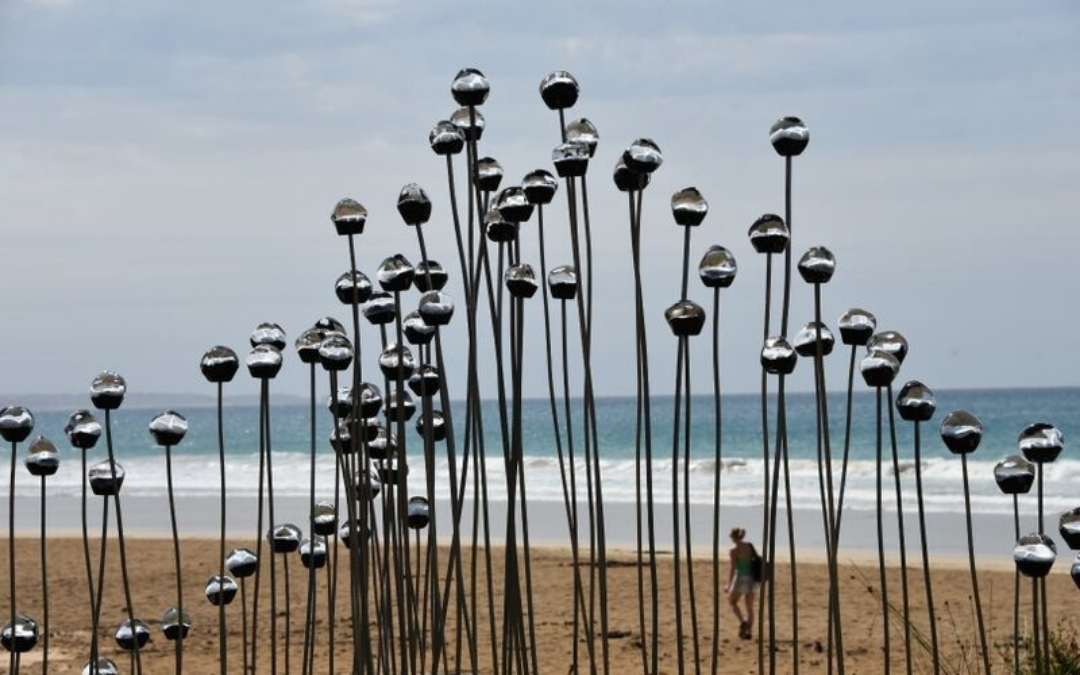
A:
(458, 489)
(575, 552)
(11, 557)
(359, 553)
(596, 511)
(455, 569)
(880, 519)
(984, 648)
(1016, 589)
(783, 414)
(644, 434)
(268, 452)
(787, 259)
(263, 396)
(465, 620)
(927, 580)
(89, 568)
(675, 538)
(44, 586)
(793, 568)
(518, 444)
(179, 646)
(332, 560)
(1045, 620)
(835, 635)
(223, 651)
(401, 551)
(566, 472)
(96, 604)
(288, 613)
(683, 368)
(691, 589)
(309, 611)
(244, 621)
(766, 597)
(120, 540)
(906, 604)
(847, 445)
(1040, 664)
(717, 470)
(773, 508)
(425, 576)
(474, 421)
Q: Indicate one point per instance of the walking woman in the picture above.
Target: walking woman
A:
(741, 583)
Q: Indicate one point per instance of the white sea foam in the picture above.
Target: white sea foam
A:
(742, 481)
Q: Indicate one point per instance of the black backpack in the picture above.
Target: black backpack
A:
(757, 565)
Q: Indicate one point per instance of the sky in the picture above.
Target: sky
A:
(167, 171)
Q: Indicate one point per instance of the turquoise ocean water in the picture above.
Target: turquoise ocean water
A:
(1003, 412)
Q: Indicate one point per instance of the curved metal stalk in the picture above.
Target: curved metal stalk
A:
(927, 580)
(676, 544)
(363, 661)
(310, 596)
(1016, 590)
(880, 514)
(566, 473)
(765, 598)
(835, 635)
(773, 508)
(984, 648)
(179, 647)
(44, 585)
(900, 535)
(288, 612)
(89, 568)
(782, 442)
(264, 419)
(96, 604)
(650, 658)
(223, 651)
(1040, 584)
(847, 446)
(120, 540)
(782, 404)
(13, 654)
(717, 469)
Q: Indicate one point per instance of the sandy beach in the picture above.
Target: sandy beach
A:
(151, 568)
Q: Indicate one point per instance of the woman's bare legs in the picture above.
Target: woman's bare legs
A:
(749, 601)
(733, 599)
(745, 620)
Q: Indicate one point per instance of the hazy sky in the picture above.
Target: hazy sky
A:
(167, 170)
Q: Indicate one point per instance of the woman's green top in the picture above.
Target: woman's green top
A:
(742, 566)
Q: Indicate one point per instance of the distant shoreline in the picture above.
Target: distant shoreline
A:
(158, 400)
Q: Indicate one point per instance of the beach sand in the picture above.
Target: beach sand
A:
(151, 567)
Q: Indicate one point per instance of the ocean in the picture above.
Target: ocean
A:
(1003, 413)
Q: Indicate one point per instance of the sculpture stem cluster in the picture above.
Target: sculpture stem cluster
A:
(409, 538)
